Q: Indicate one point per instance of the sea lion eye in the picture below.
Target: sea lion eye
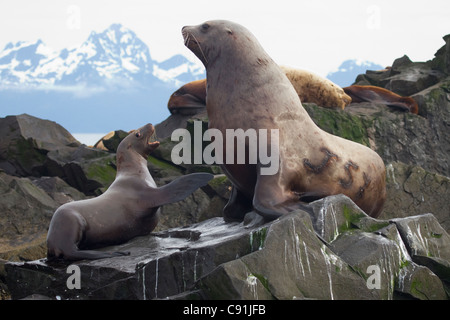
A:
(205, 27)
(137, 134)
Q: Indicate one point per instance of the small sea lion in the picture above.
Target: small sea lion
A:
(129, 208)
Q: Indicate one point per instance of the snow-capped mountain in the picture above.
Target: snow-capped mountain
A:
(110, 70)
(110, 57)
(349, 70)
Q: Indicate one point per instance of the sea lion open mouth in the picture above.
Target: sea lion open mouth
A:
(152, 138)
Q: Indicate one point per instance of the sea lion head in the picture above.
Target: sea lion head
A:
(219, 38)
(142, 141)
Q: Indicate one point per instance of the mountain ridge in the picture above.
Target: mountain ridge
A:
(90, 88)
(116, 53)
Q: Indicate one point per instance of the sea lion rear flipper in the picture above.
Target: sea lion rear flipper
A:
(362, 93)
(179, 188)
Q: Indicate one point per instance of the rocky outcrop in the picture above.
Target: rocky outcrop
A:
(423, 140)
(36, 147)
(331, 251)
(411, 190)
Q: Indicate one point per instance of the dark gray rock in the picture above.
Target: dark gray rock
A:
(288, 258)
(411, 191)
(25, 211)
(160, 265)
(406, 77)
(427, 242)
(338, 214)
(26, 208)
(111, 141)
(385, 251)
(292, 263)
(34, 147)
(422, 140)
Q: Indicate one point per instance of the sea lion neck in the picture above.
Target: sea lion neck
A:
(130, 162)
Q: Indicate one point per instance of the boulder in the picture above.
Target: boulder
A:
(291, 263)
(385, 253)
(111, 141)
(34, 147)
(26, 208)
(412, 190)
(427, 242)
(406, 77)
(442, 57)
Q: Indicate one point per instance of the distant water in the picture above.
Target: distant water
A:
(88, 139)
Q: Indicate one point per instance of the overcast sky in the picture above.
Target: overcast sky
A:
(315, 35)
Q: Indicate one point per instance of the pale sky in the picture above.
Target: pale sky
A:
(315, 35)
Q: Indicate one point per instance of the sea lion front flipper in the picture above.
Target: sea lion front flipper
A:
(269, 197)
(237, 206)
(178, 189)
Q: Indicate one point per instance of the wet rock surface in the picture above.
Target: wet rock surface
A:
(283, 259)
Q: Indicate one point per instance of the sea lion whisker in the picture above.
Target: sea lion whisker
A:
(198, 44)
(186, 39)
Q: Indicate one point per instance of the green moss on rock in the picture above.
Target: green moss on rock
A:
(339, 123)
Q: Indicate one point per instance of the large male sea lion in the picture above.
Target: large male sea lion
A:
(246, 89)
(129, 208)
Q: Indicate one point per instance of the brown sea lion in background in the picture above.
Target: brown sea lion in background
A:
(129, 208)
(383, 96)
(246, 90)
(191, 97)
